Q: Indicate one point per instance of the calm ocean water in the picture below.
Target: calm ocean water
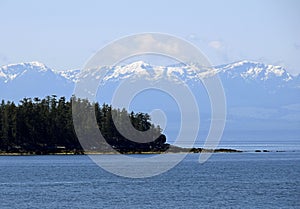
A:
(226, 180)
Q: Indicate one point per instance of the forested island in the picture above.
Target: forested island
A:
(45, 126)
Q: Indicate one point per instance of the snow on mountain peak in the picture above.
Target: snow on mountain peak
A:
(255, 71)
(153, 72)
(12, 71)
(71, 75)
(246, 70)
(26, 64)
(138, 64)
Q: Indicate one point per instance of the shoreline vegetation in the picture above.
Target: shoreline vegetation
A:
(171, 150)
(45, 127)
(179, 150)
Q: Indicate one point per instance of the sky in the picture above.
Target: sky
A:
(65, 34)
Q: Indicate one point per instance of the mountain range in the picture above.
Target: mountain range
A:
(262, 96)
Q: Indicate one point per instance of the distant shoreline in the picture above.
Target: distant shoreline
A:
(172, 150)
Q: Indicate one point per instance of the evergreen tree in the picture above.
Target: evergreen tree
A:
(46, 126)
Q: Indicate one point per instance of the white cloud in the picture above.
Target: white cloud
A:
(215, 44)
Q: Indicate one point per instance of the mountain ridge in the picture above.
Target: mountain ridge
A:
(238, 78)
(258, 96)
(255, 70)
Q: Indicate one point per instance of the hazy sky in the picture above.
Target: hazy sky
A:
(65, 34)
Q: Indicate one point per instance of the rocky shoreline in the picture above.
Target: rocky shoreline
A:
(171, 150)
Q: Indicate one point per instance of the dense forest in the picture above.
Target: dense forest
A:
(45, 126)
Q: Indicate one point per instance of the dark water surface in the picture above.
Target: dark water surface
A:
(226, 180)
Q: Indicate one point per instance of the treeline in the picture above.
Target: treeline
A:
(44, 126)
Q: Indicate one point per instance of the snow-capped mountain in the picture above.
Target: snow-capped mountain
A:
(248, 70)
(255, 71)
(71, 75)
(253, 83)
(36, 79)
(246, 83)
(13, 71)
(32, 79)
(258, 96)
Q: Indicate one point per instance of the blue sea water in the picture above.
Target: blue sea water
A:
(226, 180)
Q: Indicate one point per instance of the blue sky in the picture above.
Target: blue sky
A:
(65, 34)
